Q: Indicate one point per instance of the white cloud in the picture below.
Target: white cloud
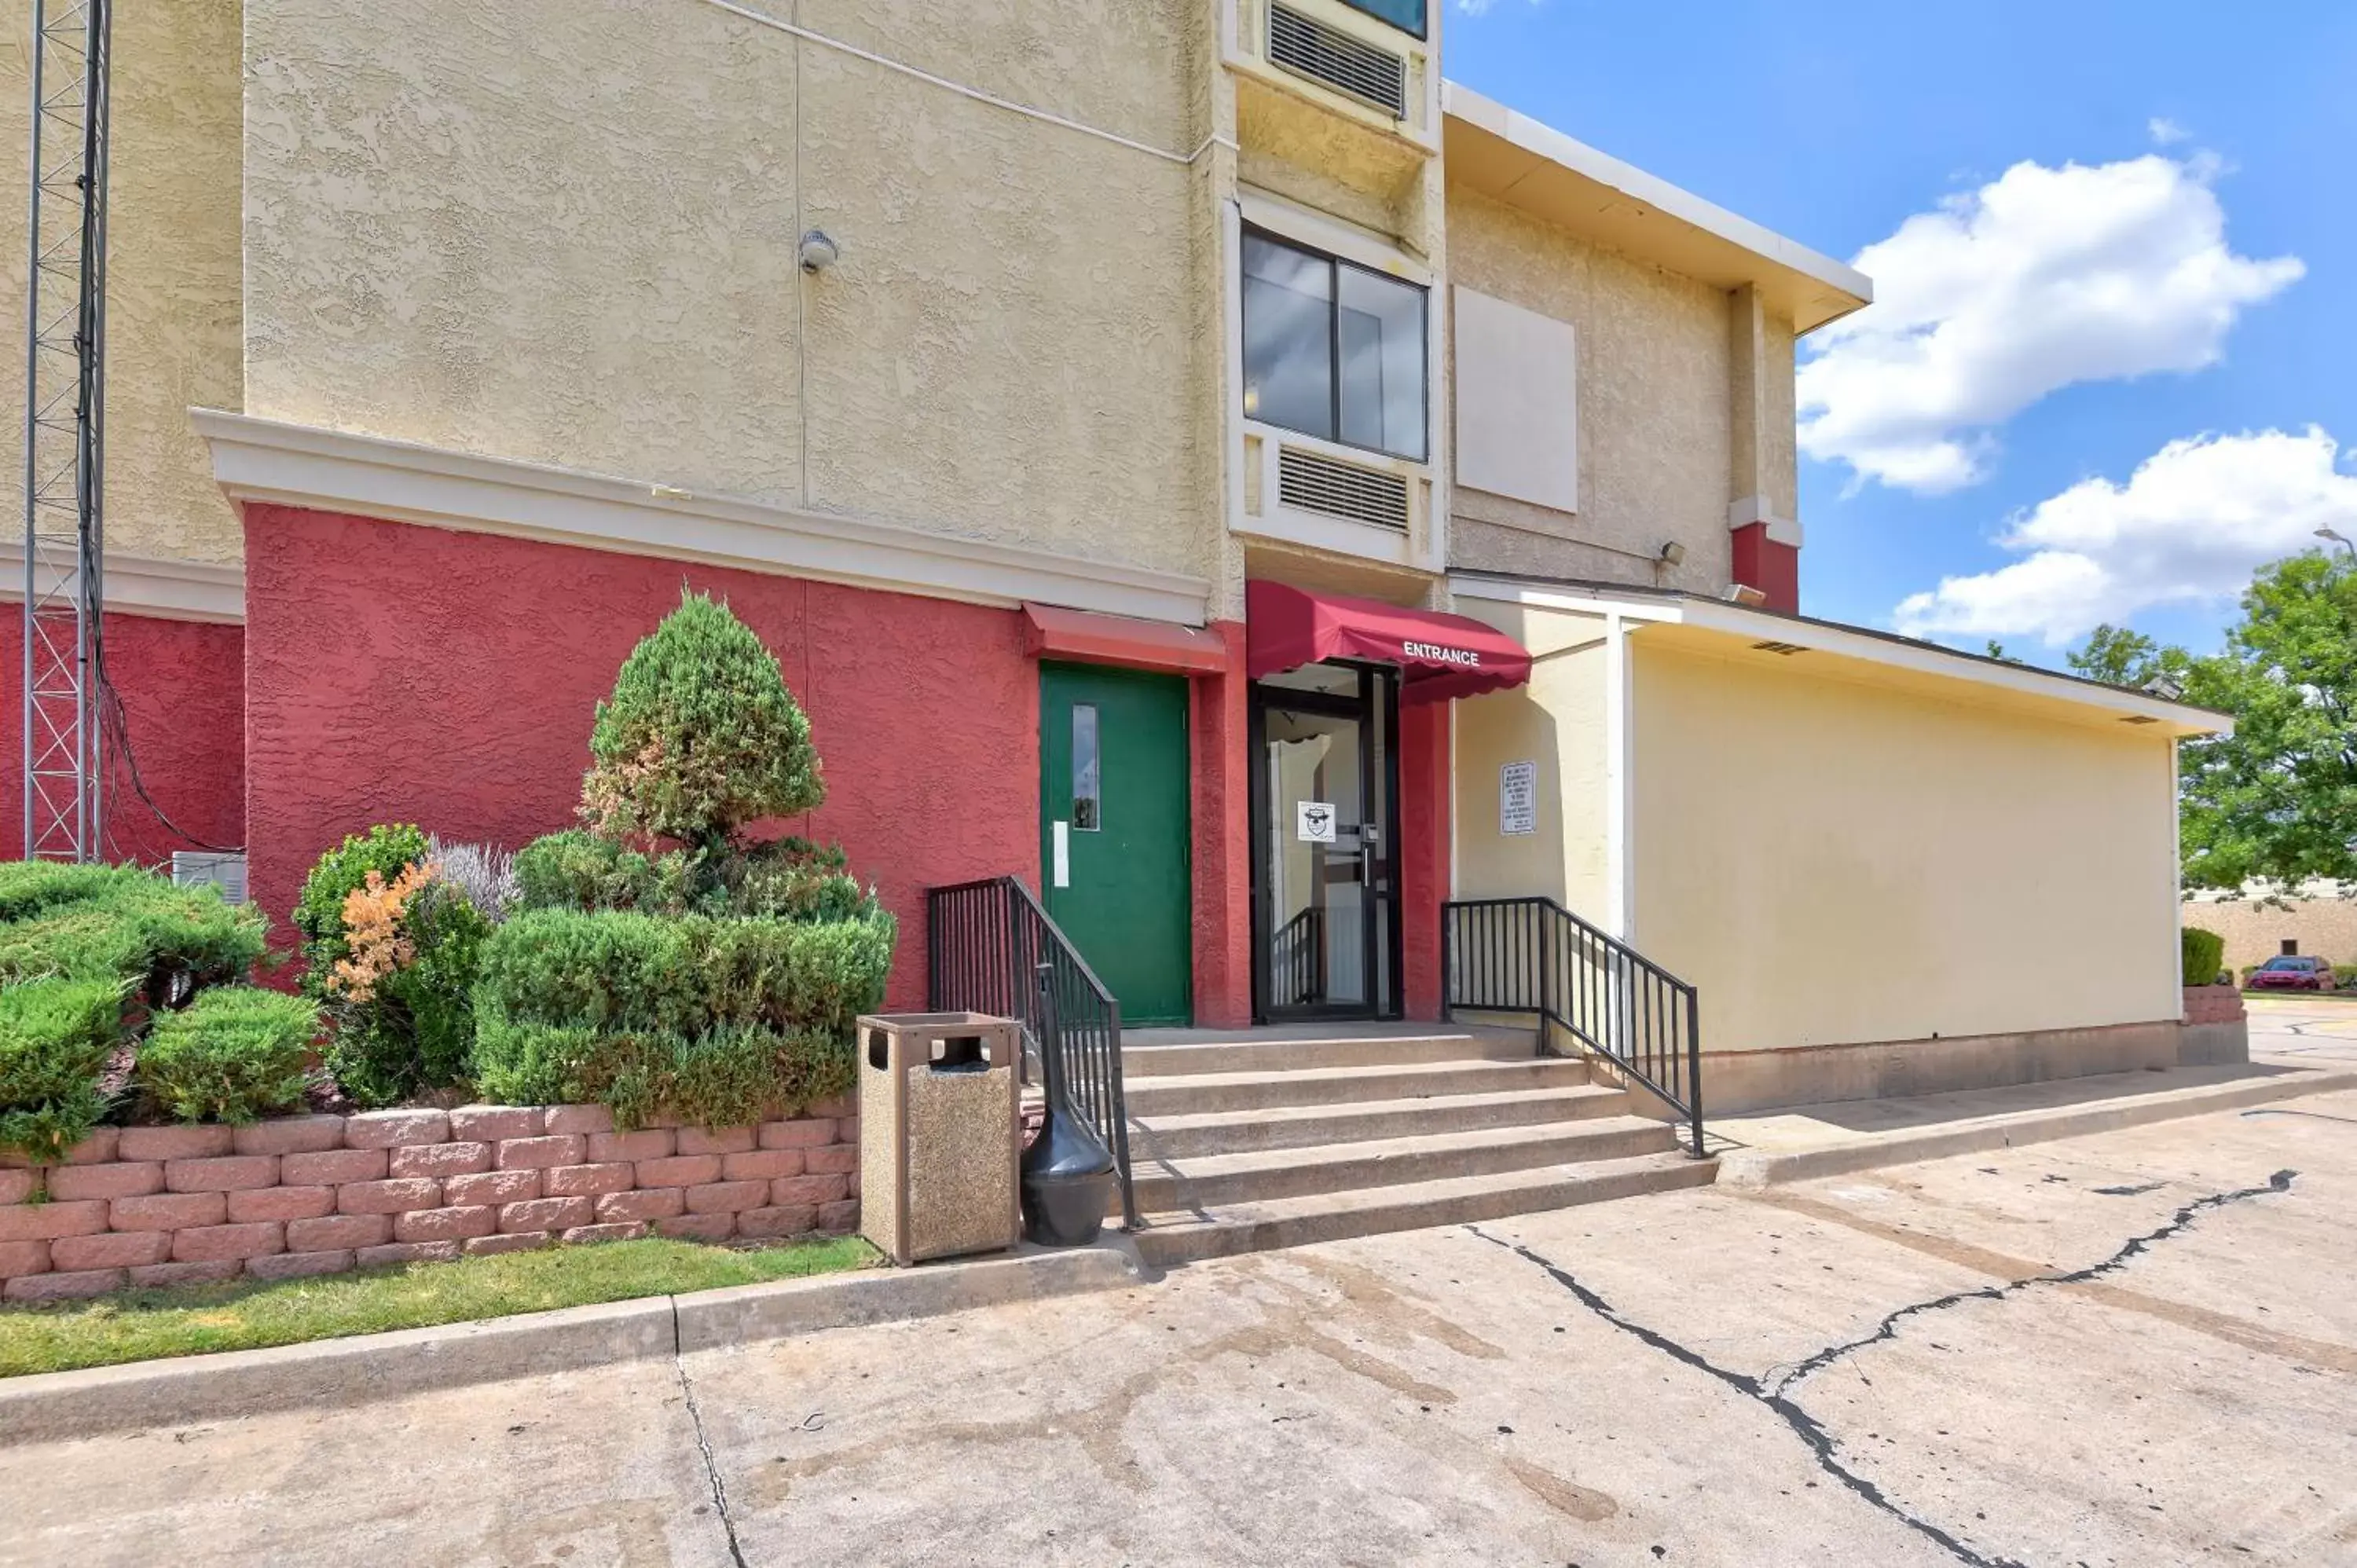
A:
(2166, 132)
(2041, 278)
(2189, 526)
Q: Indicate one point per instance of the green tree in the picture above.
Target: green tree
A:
(700, 736)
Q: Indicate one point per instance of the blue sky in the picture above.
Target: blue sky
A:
(2211, 219)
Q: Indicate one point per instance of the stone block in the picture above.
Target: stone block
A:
(395, 1128)
(168, 1210)
(577, 1119)
(548, 1214)
(697, 1227)
(64, 1286)
(299, 1265)
(838, 1106)
(338, 1233)
(212, 1244)
(727, 1196)
(445, 1224)
(491, 1187)
(406, 1252)
(715, 1141)
(647, 1203)
(802, 1133)
(539, 1154)
(281, 1203)
(491, 1123)
(680, 1170)
(581, 1234)
(119, 1178)
(333, 1168)
(646, 1143)
(229, 1173)
(19, 1184)
(48, 1221)
(23, 1258)
(855, 1181)
(588, 1181)
(761, 1164)
(105, 1144)
(437, 1159)
(846, 1130)
(173, 1143)
(388, 1197)
(809, 1189)
(839, 1218)
(836, 1159)
(289, 1135)
(769, 1223)
(162, 1275)
(513, 1241)
(111, 1250)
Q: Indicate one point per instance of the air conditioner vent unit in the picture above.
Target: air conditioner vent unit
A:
(1334, 59)
(195, 868)
(1314, 482)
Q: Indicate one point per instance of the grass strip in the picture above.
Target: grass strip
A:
(247, 1314)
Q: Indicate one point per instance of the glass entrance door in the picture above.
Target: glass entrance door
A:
(1324, 829)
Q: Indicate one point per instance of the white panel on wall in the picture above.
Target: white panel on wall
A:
(1517, 403)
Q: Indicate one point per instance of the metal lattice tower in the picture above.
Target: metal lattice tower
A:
(65, 394)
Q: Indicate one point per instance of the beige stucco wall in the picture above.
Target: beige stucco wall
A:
(2323, 923)
(1836, 862)
(172, 272)
(564, 231)
(1558, 721)
(1654, 408)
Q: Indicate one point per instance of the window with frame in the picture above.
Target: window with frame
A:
(1334, 350)
(1407, 15)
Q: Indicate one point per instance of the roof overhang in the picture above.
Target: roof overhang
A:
(1537, 169)
(1834, 651)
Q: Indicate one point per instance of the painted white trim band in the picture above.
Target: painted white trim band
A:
(148, 585)
(330, 470)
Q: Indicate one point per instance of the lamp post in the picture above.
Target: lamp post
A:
(2340, 539)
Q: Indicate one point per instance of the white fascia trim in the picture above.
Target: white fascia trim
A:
(1571, 599)
(305, 465)
(1755, 509)
(151, 585)
(1928, 658)
(1544, 141)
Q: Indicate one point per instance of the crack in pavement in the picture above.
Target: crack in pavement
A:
(1821, 1444)
(1889, 1328)
(703, 1444)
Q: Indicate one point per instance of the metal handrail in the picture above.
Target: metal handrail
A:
(1532, 955)
(986, 943)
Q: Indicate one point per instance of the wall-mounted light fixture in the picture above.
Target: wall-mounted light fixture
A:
(1673, 553)
(818, 252)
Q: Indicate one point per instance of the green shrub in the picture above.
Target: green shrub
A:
(122, 922)
(234, 1054)
(2345, 975)
(55, 1038)
(2202, 956)
(731, 1076)
(788, 878)
(577, 870)
(700, 736)
(388, 849)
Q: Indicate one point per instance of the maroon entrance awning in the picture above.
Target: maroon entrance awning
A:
(1439, 656)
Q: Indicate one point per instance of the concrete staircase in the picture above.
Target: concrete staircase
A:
(1276, 1138)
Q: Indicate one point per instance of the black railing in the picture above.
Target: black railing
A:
(1532, 955)
(1297, 960)
(987, 943)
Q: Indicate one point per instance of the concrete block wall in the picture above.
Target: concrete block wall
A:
(317, 1195)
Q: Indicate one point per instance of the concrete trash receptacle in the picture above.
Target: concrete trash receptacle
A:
(940, 1100)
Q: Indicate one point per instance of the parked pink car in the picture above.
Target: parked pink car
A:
(2293, 974)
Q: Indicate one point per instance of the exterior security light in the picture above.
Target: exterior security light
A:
(1744, 593)
(1673, 553)
(817, 251)
(2340, 539)
(2161, 686)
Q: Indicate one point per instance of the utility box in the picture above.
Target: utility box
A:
(939, 1133)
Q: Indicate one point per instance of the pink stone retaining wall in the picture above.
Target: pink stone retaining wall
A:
(317, 1195)
(2213, 1004)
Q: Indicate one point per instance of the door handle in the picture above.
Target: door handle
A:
(1060, 855)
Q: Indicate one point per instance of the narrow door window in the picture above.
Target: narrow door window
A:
(1086, 816)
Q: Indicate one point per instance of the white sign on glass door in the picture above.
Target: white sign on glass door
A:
(1313, 822)
(1518, 798)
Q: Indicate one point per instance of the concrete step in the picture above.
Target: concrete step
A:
(1201, 1093)
(1170, 1238)
(1263, 1175)
(1181, 1137)
(1259, 1053)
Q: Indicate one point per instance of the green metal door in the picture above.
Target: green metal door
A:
(1113, 834)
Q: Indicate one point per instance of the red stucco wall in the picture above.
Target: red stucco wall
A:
(1770, 565)
(183, 689)
(1222, 832)
(1424, 851)
(410, 673)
